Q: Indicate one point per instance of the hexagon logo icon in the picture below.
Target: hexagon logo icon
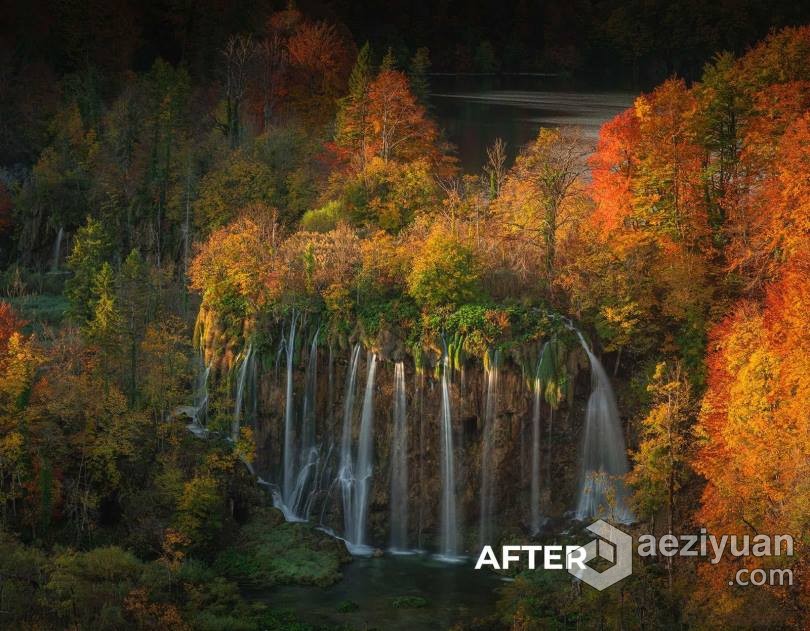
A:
(612, 545)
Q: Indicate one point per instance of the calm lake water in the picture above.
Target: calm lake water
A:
(453, 593)
(474, 112)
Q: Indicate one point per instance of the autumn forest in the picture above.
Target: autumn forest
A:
(271, 357)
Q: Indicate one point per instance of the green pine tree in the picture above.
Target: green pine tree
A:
(133, 296)
(389, 61)
(417, 74)
(90, 248)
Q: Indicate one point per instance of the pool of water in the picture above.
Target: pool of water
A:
(453, 592)
(473, 116)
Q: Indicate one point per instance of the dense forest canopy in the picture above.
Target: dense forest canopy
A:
(176, 181)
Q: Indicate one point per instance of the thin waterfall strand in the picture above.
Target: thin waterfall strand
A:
(399, 464)
(346, 472)
(535, 488)
(449, 525)
(604, 460)
(241, 379)
(305, 476)
(488, 482)
(289, 477)
(365, 454)
(57, 250)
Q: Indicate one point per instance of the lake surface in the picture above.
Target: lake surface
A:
(453, 592)
(473, 113)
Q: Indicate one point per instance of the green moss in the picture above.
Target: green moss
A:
(40, 309)
(551, 371)
(374, 314)
(347, 606)
(409, 602)
(268, 553)
(476, 328)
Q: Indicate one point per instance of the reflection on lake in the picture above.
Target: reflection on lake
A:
(474, 118)
(380, 593)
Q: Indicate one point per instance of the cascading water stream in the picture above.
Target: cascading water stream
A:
(305, 477)
(449, 524)
(241, 380)
(604, 460)
(535, 488)
(399, 464)
(330, 391)
(201, 394)
(545, 377)
(359, 485)
(289, 477)
(57, 250)
(365, 455)
(197, 411)
(419, 386)
(310, 390)
(488, 481)
(346, 475)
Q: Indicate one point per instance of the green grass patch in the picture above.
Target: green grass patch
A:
(269, 553)
(40, 309)
(409, 602)
(347, 606)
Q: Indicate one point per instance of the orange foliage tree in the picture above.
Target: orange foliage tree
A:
(771, 216)
(391, 120)
(756, 453)
(613, 166)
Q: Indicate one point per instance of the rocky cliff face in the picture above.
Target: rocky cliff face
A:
(510, 457)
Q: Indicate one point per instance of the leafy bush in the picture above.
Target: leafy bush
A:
(322, 219)
(445, 273)
(409, 602)
(200, 513)
(267, 554)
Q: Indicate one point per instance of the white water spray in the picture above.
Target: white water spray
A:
(57, 250)
(604, 460)
(535, 488)
(488, 482)
(399, 464)
(289, 479)
(449, 525)
(241, 379)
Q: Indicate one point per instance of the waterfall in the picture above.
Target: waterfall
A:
(198, 410)
(330, 390)
(449, 526)
(604, 461)
(546, 367)
(399, 464)
(241, 379)
(288, 480)
(201, 396)
(298, 501)
(365, 456)
(346, 472)
(355, 477)
(550, 448)
(57, 249)
(488, 472)
(419, 386)
(310, 392)
(253, 381)
(535, 489)
(282, 347)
